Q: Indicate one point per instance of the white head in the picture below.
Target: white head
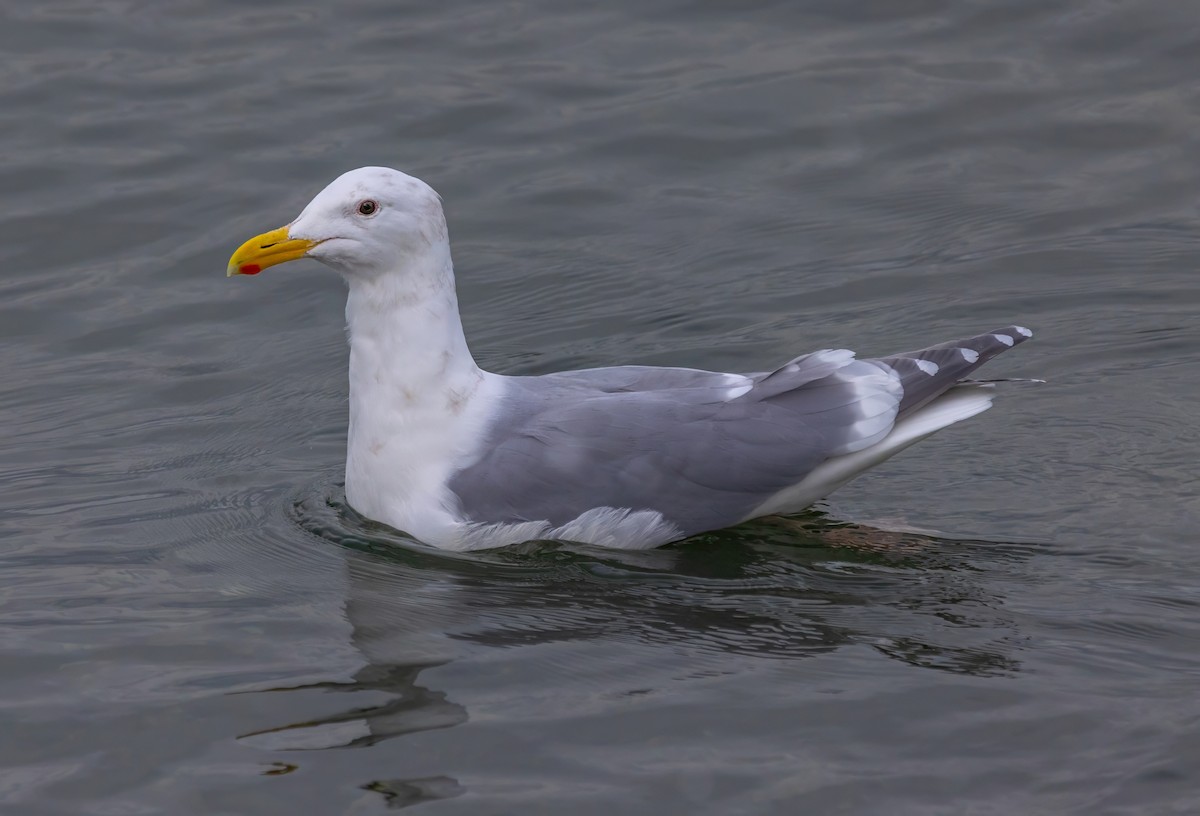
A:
(368, 222)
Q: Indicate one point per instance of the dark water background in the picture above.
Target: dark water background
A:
(192, 623)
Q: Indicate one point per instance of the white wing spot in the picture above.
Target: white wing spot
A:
(1004, 338)
(838, 357)
(1024, 332)
(738, 385)
(970, 355)
(928, 366)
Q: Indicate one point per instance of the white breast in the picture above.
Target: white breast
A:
(404, 444)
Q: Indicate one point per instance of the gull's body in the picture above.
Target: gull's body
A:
(630, 457)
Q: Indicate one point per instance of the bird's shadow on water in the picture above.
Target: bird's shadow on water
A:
(777, 589)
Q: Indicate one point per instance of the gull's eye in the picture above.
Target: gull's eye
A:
(367, 207)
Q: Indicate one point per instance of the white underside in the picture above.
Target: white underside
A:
(614, 528)
(619, 528)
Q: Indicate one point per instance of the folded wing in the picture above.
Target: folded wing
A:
(705, 449)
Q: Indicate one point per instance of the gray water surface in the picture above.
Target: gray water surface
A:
(1002, 620)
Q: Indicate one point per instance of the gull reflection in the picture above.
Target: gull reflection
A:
(780, 589)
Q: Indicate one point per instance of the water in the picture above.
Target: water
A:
(1003, 620)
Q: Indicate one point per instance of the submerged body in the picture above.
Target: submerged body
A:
(629, 457)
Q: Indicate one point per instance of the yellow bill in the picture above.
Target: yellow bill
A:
(269, 249)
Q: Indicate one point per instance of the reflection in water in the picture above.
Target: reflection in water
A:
(408, 708)
(400, 793)
(778, 589)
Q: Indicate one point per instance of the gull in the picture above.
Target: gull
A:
(628, 457)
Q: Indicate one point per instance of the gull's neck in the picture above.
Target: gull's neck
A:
(405, 330)
(415, 390)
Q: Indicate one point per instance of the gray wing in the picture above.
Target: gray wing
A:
(704, 449)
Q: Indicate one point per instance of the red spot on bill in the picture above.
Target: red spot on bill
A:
(250, 269)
